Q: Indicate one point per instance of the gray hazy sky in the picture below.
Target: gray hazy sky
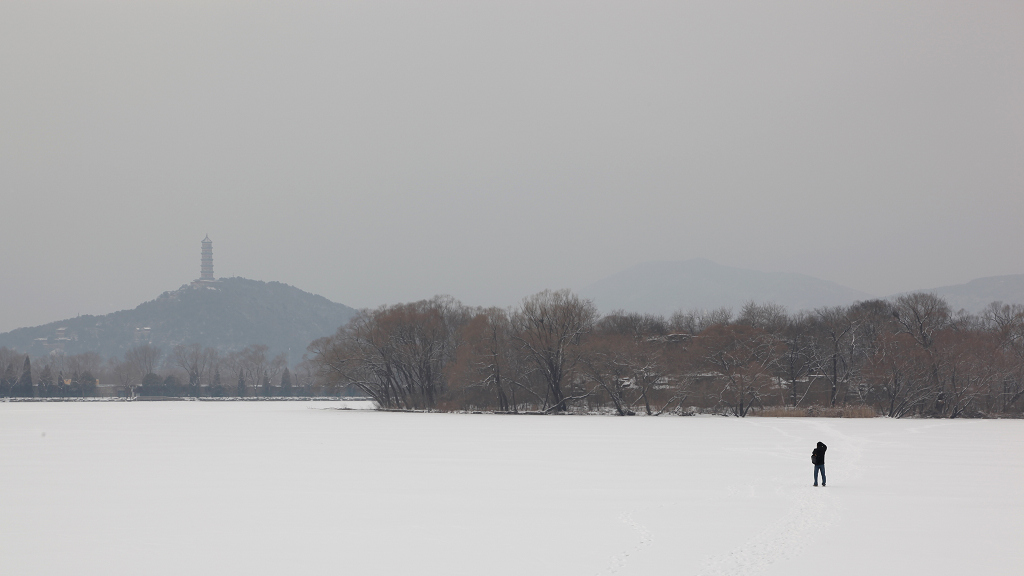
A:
(377, 152)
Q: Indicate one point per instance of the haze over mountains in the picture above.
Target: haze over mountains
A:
(228, 314)
(979, 293)
(665, 287)
(232, 313)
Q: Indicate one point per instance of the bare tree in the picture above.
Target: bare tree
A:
(1006, 322)
(398, 355)
(274, 368)
(58, 362)
(550, 327)
(922, 316)
(305, 376)
(895, 371)
(969, 364)
(196, 361)
(795, 364)
(144, 359)
(903, 357)
(743, 356)
(489, 361)
(254, 364)
(85, 362)
(625, 356)
(696, 321)
(10, 363)
(770, 317)
(835, 329)
(128, 375)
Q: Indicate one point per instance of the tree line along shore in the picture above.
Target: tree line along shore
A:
(554, 353)
(912, 356)
(144, 371)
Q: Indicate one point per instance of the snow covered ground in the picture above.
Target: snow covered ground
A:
(300, 488)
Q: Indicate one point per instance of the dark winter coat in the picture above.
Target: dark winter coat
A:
(818, 455)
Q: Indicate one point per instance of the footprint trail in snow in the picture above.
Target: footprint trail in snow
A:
(814, 510)
(618, 562)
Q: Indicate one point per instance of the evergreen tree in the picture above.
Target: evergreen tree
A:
(216, 389)
(173, 387)
(241, 383)
(45, 381)
(87, 384)
(76, 384)
(152, 385)
(25, 382)
(286, 382)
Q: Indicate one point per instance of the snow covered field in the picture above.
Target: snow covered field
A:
(299, 488)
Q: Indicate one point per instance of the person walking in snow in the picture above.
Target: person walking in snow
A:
(818, 458)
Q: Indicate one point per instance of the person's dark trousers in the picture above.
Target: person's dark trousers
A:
(816, 468)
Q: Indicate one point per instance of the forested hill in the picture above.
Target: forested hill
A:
(228, 314)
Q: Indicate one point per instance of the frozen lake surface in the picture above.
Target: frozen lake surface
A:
(301, 488)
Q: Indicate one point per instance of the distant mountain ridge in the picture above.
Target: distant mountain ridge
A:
(975, 295)
(664, 287)
(227, 314)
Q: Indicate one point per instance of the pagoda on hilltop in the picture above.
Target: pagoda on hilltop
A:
(206, 269)
(206, 264)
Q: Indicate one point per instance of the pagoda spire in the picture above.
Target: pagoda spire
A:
(206, 269)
